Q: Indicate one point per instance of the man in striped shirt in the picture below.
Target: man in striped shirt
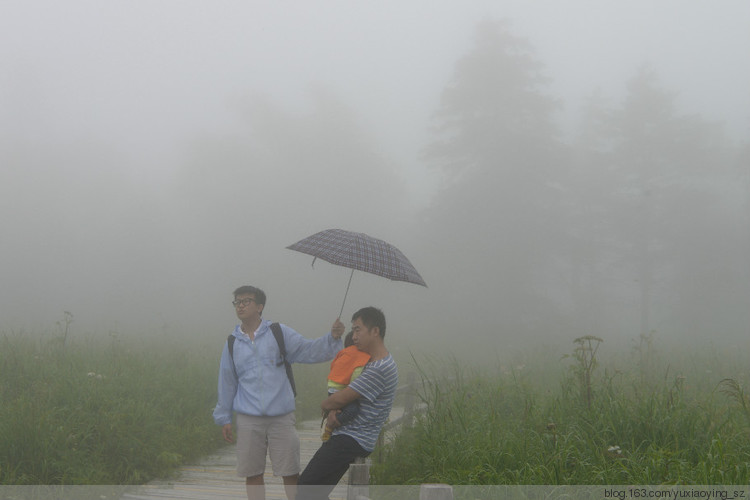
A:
(375, 389)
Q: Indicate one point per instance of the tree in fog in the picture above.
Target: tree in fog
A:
(587, 246)
(743, 169)
(308, 168)
(491, 228)
(78, 227)
(286, 174)
(663, 173)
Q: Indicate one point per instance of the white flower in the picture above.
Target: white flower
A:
(91, 374)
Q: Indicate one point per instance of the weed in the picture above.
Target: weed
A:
(77, 417)
(64, 327)
(732, 389)
(108, 410)
(585, 356)
(495, 429)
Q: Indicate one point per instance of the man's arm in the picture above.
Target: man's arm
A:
(227, 389)
(339, 399)
(303, 350)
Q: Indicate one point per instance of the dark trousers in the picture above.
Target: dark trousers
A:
(328, 466)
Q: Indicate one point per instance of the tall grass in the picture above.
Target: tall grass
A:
(644, 419)
(108, 410)
(101, 412)
(112, 411)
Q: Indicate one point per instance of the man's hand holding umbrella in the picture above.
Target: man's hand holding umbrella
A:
(337, 330)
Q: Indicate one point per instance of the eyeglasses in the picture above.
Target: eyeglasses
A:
(243, 302)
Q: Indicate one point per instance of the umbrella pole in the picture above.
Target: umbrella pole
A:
(347, 293)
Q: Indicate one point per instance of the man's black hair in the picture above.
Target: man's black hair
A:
(260, 295)
(371, 317)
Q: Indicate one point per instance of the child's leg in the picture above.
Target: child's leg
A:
(327, 430)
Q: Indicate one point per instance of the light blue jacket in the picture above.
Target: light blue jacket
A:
(264, 388)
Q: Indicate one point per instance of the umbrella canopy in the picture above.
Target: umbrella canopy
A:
(361, 252)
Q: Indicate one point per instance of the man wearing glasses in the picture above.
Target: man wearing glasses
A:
(253, 382)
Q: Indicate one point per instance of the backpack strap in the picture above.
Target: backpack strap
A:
(230, 346)
(279, 335)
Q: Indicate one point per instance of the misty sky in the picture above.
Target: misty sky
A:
(94, 95)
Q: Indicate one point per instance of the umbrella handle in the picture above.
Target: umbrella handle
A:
(347, 293)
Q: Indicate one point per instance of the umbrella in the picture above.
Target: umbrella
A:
(358, 251)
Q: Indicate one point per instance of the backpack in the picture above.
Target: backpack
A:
(279, 336)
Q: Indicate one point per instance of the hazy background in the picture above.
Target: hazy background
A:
(552, 168)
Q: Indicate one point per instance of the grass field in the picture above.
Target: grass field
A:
(106, 410)
(112, 411)
(645, 418)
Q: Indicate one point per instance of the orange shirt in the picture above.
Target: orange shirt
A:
(345, 363)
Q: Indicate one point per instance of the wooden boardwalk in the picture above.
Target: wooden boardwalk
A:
(216, 476)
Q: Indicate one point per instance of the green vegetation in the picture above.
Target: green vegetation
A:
(641, 419)
(102, 411)
(107, 410)
(111, 410)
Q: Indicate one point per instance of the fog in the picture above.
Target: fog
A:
(553, 169)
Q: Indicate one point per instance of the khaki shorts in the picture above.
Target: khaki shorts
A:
(276, 436)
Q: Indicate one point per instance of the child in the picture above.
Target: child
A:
(345, 367)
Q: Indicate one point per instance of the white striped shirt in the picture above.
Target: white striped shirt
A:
(377, 384)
